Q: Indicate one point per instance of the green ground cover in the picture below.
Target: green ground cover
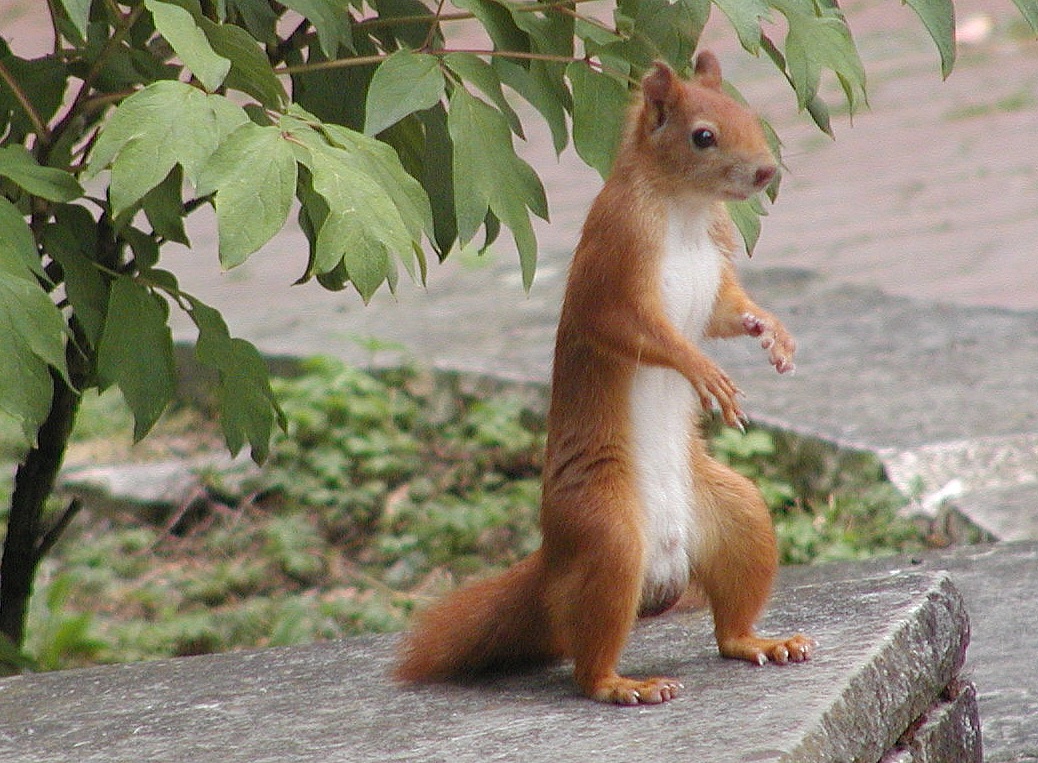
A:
(386, 490)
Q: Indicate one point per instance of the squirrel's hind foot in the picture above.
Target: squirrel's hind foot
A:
(761, 651)
(628, 691)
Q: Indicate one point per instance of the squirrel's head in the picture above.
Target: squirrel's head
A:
(699, 139)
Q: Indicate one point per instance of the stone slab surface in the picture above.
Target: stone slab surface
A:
(948, 733)
(1009, 513)
(998, 583)
(888, 647)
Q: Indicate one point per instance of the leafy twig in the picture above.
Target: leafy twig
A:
(110, 46)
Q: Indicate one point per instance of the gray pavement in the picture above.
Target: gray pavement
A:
(891, 645)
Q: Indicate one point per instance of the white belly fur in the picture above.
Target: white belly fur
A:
(663, 406)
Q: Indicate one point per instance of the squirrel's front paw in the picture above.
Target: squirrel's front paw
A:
(774, 338)
(711, 383)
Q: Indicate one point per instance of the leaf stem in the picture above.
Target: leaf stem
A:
(343, 63)
(380, 22)
(23, 100)
(432, 26)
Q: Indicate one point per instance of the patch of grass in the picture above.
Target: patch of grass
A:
(385, 490)
(828, 503)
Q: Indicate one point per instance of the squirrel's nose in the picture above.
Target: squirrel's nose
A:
(764, 175)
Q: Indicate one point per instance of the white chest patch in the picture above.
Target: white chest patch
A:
(663, 406)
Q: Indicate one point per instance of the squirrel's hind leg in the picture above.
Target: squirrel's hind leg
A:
(737, 565)
(593, 602)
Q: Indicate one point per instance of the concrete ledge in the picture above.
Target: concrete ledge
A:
(889, 648)
(997, 583)
(949, 733)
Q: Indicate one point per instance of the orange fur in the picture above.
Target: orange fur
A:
(577, 597)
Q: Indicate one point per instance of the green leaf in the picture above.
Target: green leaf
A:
(1029, 10)
(32, 341)
(18, 165)
(550, 31)
(489, 176)
(539, 94)
(406, 25)
(136, 352)
(819, 111)
(404, 83)
(381, 162)
(438, 180)
(190, 43)
(599, 107)
(596, 32)
(819, 39)
(362, 226)
(746, 215)
(253, 174)
(72, 241)
(18, 257)
(499, 22)
(248, 409)
(144, 247)
(44, 78)
(165, 124)
(164, 207)
(250, 68)
(258, 18)
(330, 18)
(670, 29)
(938, 16)
(79, 14)
(745, 17)
(352, 220)
(474, 70)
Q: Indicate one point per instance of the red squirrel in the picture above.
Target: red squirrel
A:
(634, 509)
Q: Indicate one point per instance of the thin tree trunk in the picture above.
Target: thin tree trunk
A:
(33, 484)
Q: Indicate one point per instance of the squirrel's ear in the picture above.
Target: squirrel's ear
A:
(657, 84)
(657, 89)
(708, 70)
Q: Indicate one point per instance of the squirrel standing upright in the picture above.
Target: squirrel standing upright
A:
(633, 506)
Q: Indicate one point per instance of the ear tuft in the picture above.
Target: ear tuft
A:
(708, 70)
(657, 84)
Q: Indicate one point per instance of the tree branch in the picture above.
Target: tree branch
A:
(51, 536)
(113, 42)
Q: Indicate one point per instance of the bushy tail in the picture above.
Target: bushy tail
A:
(494, 624)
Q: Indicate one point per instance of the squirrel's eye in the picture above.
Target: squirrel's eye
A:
(704, 138)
